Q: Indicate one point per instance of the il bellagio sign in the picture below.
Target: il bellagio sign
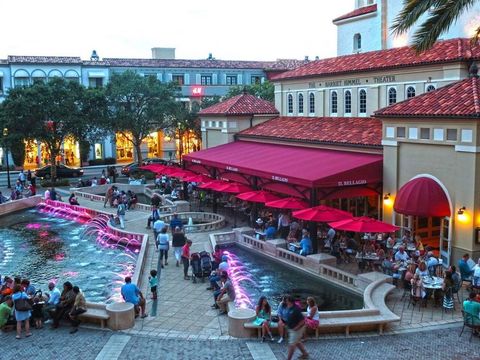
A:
(353, 82)
(352, 182)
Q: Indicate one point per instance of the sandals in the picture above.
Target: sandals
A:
(28, 335)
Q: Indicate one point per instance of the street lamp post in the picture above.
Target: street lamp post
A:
(5, 134)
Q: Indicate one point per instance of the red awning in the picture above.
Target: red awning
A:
(422, 197)
(350, 192)
(259, 196)
(293, 165)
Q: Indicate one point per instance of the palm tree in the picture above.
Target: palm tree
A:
(441, 15)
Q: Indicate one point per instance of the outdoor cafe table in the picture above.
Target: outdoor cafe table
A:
(367, 257)
(410, 247)
(432, 283)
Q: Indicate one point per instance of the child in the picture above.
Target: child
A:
(37, 312)
(153, 281)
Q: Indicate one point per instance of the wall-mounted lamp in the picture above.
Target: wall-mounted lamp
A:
(387, 199)
(461, 214)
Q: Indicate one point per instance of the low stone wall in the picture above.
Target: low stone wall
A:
(21, 204)
(209, 221)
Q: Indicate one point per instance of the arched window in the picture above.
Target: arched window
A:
(348, 102)
(311, 104)
(300, 103)
(430, 88)
(290, 103)
(334, 102)
(410, 92)
(362, 95)
(392, 96)
(357, 42)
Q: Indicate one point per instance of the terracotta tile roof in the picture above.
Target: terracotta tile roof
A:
(185, 63)
(44, 59)
(326, 130)
(357, 12)
(460, 99)
(285, 64)
(243, 104)
(442, 52)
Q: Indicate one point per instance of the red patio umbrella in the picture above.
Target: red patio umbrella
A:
(156, 168)
(212, 185)
(322, 213)
(169, 170)
(198, 178)
(363, 224)
(180, 173)
(288, 203)
(259, 196)
(233, 188)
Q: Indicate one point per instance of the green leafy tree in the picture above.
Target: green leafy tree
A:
(263, 90)
(441, 14)
(138, 106)
(49, 112)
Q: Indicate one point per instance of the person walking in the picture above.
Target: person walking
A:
(163, 242)
(121, 212)
(109, 196)
(296, 326)
(178, 241)
(186, 259)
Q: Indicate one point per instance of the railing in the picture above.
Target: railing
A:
(290, 256)
(252, 242)
(338, 275)
(208, 221)
(20, 204)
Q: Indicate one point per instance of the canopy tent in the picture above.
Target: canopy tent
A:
(423, 197)
(321, 213)
(363, 224)
(232, 188)
(292, 164)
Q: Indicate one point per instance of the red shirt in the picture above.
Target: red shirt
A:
(186, 251)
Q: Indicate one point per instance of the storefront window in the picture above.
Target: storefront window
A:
(189, 143)
(71, 152)
(98, 151)
(124, 148)
(31, 154)
(152, 145)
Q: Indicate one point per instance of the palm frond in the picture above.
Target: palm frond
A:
(442, 17)
(409, 15)
(475, 37)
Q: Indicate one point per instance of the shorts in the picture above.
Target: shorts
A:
(295, 336)
(153, 289)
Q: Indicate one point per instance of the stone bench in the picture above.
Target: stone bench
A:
(258, 328)
(121, 315)
(96, 312)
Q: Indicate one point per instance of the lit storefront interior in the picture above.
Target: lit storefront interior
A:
(124, 148)
(71, 152)
(32, 159)
(187, 143)
(153, 144)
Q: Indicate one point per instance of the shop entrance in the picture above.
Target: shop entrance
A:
(71, 152)
(124, 148)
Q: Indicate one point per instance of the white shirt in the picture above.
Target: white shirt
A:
(223, 266)
(47, 195)
(54, 298)
(401, 257)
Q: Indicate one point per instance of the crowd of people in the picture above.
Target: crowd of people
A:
(23, 306)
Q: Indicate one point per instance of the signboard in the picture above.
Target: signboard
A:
(351, 182)
(197, 90)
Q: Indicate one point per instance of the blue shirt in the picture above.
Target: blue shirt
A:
(54, 298)
(282, 311)
(270, 232)
(176, 223)
(465, 270)
(306, 245)
(130, 293)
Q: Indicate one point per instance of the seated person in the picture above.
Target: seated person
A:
(6, 314)
(465, 272)
(132, 294)
(407, 238)
(419, 245)
(401, 254)
(422, 269)
(410, 272)
(306, 243)
(72, 200)
(215, 277)
(270, 231)
(352, 246)
(472, 307)
(292, 236)
(418, 289)
(476, 274)
(132, 199)
(217, 257)
(432, 262)
(387, 265)
(369, 247)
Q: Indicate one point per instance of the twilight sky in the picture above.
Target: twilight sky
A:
(231, 30)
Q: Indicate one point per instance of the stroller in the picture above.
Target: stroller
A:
(201, 266)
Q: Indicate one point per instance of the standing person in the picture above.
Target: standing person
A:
(29, 176)
(158, 226)
(79, 307)
(284, 225)
(186, 258)
(22, 178)
(296, 327)
(121, 213)
(178, 241)
(153, 282)
(154, 216)
(132, 294)
(225, 294)
(109, 196)
(163, 241)
(22, 311)
(176, 222)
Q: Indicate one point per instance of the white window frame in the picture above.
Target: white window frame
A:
(311, 95)
(333, 114)
(414, 91)
(466, 135)
(390, 132)
(430, 84)
(356, 39)
(438, 134)
(345, 113)
(360, 113)
(302, 108)
(413, 133)
(290, 109)
(394, 88)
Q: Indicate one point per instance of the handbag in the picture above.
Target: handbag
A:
(23, 304)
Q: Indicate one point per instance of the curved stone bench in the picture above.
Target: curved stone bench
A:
(96, 312)
(121, 316)
(237, 319)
